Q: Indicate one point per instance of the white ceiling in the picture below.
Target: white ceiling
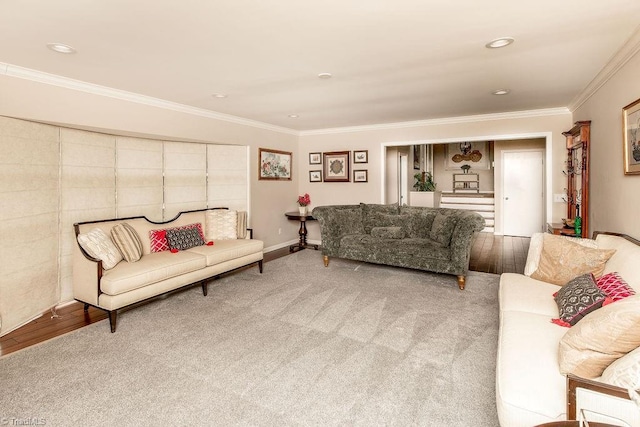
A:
(392, 61)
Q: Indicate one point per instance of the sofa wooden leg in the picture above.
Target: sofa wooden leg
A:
(113, 314)
(461, 282)
(205, 288)
(86, 307)
(325, 259)
(260, 266)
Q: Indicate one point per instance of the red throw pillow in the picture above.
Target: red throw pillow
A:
(614, 286)
(158, 240)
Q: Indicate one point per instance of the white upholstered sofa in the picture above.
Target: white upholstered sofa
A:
(531, 388)
(102, 278)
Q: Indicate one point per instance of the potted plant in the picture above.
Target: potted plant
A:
(303, 202)
(424, 181)
(425, 193)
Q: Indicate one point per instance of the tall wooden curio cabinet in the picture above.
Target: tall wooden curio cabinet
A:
(577, 172)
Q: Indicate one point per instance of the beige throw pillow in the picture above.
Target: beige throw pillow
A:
(535, 249)
(221, 224)
(561, 260)
(98, 245)
(624, 372)
(602, 337)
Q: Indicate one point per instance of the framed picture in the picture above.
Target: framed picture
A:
(416, 157)
(361, 156)
(472, 154)
(631, 138)
(336, 166)
(315, 176)
(274, 164)
(360, 176)
(315, 158)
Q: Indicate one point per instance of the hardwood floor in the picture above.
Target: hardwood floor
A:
(489, 254)
(499, 254)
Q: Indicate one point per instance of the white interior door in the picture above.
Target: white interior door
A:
(523, 192)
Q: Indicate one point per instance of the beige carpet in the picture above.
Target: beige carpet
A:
(301, 344)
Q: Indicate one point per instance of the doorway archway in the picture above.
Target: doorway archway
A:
(540, 141)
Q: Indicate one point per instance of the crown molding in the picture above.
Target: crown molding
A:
(444, 121)
(615, 63)
(94, 89)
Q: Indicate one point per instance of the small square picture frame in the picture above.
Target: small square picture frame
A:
(315, 158)
(315, 176)
(360, 156)
(360, 175)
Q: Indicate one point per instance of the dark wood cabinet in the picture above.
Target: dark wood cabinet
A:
(577, 172)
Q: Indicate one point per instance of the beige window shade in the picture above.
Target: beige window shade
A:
(29, 226)
(139, 181)
(185, 177)
(228, 183)
(88, 189)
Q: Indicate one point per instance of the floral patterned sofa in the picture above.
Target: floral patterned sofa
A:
(431, 239)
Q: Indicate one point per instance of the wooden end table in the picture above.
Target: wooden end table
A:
(303, 230)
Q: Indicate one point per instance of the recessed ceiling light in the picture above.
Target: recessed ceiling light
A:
(324, 76)
(501, 42)
(500, 91)
(219, 95)
(293, 116)
(61, 48)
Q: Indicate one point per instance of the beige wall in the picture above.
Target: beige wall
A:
(614, 197)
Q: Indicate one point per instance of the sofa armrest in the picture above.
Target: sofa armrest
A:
(468, 224)
(87, 272)
(597, 401)
(335, 222)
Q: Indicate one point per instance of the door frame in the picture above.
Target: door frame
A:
(403, 185)
(548, 148)
(500, 199)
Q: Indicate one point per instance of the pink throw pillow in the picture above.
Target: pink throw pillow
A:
(614, 286)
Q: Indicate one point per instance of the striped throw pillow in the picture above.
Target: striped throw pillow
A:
(127, 241)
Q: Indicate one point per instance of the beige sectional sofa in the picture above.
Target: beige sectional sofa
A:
(156, 273)
(535, 355)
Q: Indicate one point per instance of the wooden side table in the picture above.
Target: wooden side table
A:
(303, 230)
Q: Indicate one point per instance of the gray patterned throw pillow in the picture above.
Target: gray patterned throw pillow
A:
(442, 228)
(578, 298)
(184, 239)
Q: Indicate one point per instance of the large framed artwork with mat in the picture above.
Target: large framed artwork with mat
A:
(336, 166)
